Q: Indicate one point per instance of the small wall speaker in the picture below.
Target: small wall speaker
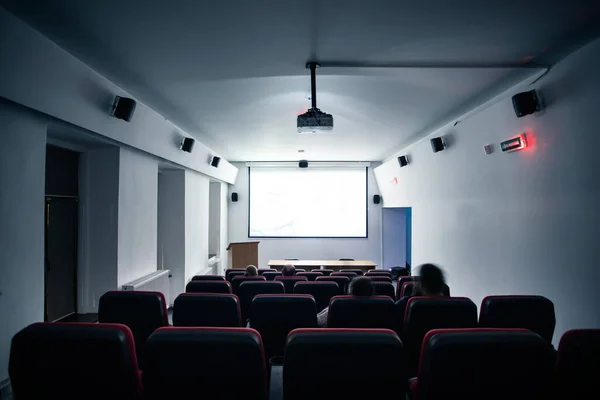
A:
(303, 164)
(123, 108)
(234, 197)
(187, 144)
(437, 144)
(214, 162)
(403, 161)
(526, 103)
(376, 199)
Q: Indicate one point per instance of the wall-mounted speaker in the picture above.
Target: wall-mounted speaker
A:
(123, 108)
(187, 144)
(403, 161)
(234, 197)
(437, 144)
(526, 103)
(214, 161)
(303, 164)
(376, 199)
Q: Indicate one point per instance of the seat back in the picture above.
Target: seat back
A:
(290, 281)
(142, 312)
(379, 272)
(321, 291)
(238, 280)
(235, 272)
(342, 281)
(274, 316)
(325, 272)
(484, 364)
(578, 364)
(398, 272)
(74, 361)
(358, 272)
(384, 289)
(207, 309)
(208, 278)
(380, 278)
(349, 275)
(407, 289)
(249, 289)
(535, 313)
(224, 363)
(423, 314)
(263, 270)
(311, 276)
(355, 364)
(270, 275)
(415, 292)
(208, 287)
(361, 312)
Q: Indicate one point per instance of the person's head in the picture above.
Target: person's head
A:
(251, 270)
(361, 286)
(288, 270)
(431, 280)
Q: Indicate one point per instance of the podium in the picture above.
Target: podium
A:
(242, 254)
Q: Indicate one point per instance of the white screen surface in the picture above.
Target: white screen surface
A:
(310, 202)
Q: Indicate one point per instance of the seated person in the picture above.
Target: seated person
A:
(288, 270)
(251, 271)
(431, 283)
(361, 286)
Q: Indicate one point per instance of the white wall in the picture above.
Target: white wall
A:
(328, 249)
(138, 215)
(22, 181)
(515, 223)
(98, 226)
(171, 228)
(196, 224)
(42, 76)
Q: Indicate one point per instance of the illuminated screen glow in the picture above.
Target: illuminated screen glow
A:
(308, 202)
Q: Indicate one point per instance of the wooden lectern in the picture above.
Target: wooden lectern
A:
(243, 254)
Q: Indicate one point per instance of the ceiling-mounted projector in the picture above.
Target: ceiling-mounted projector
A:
(314, 120)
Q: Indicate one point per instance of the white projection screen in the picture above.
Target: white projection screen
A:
(319, 202)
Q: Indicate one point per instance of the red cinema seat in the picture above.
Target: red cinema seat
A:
(207, 309)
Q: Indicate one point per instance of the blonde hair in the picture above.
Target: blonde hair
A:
(251, 270)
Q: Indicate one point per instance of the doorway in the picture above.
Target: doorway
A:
(396, 224)
(61, 230)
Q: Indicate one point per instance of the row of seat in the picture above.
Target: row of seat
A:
(98, 361)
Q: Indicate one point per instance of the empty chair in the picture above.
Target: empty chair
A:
(234, 274)
(325, 272)
(238, 280)
(208, 278)
(208, 287)
(384, 289)
(578, 364)
(300, 270)
(342, 281)
(376, 272)
(426, 313)
(249, 289)
(350, 364)
(346, 259)
(407, 289)
(210, 363)
(349, 275)
(535, 313)
(142, 312)
(290, 281)
(473, 364)
(311, 276)
(274, 316)
(207, 309)
(361, 312)
(74, 361)
(263, 270)
(322, 292)
(270, 275)
(235, 271)
(380, 278)
(358, 272)
(415, 292)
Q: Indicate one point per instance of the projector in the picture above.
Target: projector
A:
(314, 120)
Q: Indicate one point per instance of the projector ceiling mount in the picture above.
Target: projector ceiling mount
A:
(314, 120)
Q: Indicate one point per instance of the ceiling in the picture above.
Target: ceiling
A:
(232, 73)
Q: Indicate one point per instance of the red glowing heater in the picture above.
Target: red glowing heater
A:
(514, 144)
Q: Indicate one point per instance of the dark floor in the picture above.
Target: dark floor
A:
(91, 317)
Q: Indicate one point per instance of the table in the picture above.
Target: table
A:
(335, 265)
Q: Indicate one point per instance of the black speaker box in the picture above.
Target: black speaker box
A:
(123, 108)
(187, 144)
(437, 144)
(303, 164)
(376, 199)
(403, 161)
(234, 197)
(215, 161)
(526, 103)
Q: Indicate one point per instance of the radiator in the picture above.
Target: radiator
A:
(155, 282)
